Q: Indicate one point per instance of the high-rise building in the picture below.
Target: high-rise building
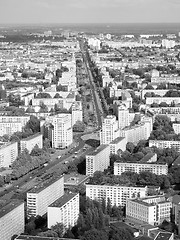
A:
(8, 153)
(98, 160)
(12, 219)
(42, 195)
(123, 116)
(117, 194)
(64, 210)
(77, 112)
(60, 130)
(110, 130)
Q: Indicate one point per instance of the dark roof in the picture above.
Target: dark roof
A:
(63, 200)
(98, 150)
(163, 236)
(9, 207)
(147, 157)
(116, 140)
(31, 137)
(27, 237)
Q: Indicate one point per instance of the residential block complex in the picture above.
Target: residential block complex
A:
(152, 210)
(42, 195)
(116, 193)
(8, 153)
(12, 219)
(30, 142)
(64, 210)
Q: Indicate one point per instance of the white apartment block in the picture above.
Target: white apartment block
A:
(152, 210)
(12, 124)
(110, 130)
(158, 169)
(165, 144)
(98, 160)
(117, 194)
(12, 220)
(116, 144)
(30, 142)
(158, 100)
(60, 130)
(137, 132)
(8, 153)
(42, 195)
(176, 127)
(123, 116)
(64, 210)
(172, 79)
(77, 114)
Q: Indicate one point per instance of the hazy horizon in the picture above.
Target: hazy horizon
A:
(88, 12)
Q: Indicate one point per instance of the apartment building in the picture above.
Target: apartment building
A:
(123, 116)
(77, 112)
(165, 144)
(116, 193)
(8, 153)
(152, 210)
(12, 219)
(160, 92)
(158, 100)
(158, 169)
(172, 79)
(12, 124)
(42, 195)
(110, 130)
(59, 129)
(176, 127)
(118, 144)
(137, 132)
(30, 142)
(64, 210)
(98, 160)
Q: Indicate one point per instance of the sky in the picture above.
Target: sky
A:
(89, 11)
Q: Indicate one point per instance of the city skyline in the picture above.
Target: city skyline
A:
(84, 11)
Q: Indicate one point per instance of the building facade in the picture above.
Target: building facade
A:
(42, 195)
(8, 153)
(123, 116)
(152, 210)
(77, 112)
(98, 160)
(110, 130)
(116, 144)
(30, 142)
(165, 144)
(12, 220)
(117, 194)
(64, 210)
(158, 169)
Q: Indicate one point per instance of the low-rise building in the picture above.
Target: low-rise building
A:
(8, 153)
(42, 195)
(12, 219)
(117, 194)
(176, 127)
(30, 142)
(64, 210)
(152, 210)
(165, 144)
(98, 160)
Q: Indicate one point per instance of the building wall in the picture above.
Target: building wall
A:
(117, 194)
(12, 223)
(158, 169)
(8, 153)
(176, 127)
(115, 146)
(99, 161)
(37, 203)
(165, 144)
(31, 143)
(123, 117)
(67, 214)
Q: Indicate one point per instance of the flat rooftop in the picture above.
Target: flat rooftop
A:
(116, 140)
(44, 184)
(63, 200)
(74, 179)
(163, 236)
(9, 207)
(98, 150)
(31, 137)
